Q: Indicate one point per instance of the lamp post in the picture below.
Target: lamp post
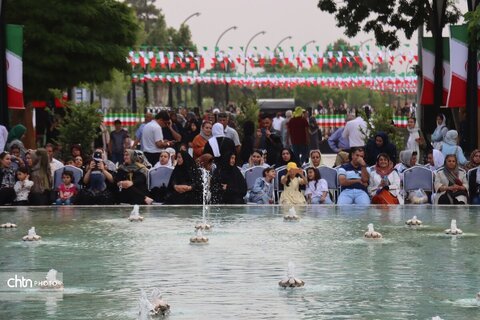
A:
(196, 14)
(215, 49)
(221, 36)
(246, 49)
(280, 42)
(304, 47)
(275, 53)
(363, 42)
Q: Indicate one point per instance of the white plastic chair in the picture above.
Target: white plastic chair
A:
(251, 174)
(417, 177)
(331, 176)
(77, 176)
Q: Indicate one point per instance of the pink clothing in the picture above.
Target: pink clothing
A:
(67, 191)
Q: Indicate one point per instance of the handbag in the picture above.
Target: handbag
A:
(384, 197)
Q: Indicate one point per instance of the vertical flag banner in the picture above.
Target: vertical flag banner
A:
(14, 54)
(447, 73)
(428, 66)
(457, 96)
(428, 69)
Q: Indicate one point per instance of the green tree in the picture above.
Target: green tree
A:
(66, 43)
(79, 126)
(116, 89)
(343, 46)
(146, 12)
(382, 120)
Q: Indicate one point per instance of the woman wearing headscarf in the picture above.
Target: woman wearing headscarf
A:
(379, 144)
(384, 178)
(15, 138)
(435, 160)
(474, 176)
(185, 185)
(41, 175)
(415, 139)
(440, 131)
(232, 187)
(451, 185)
(201, 139)
(131, 179)
(315, 159)
(474, 160)
(219, 145)
(7, 179)
(286, 156)
(450, 146)
(408, 158)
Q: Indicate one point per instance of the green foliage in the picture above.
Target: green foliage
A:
(79, 126)
(381, 120)
(472, 18)
(343, 46)
(386, 18)
(249, 112)
(116, 90)
(69, 42)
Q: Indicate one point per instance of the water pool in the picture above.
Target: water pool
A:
(106, 260)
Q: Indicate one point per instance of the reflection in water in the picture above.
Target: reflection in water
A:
(106, 260)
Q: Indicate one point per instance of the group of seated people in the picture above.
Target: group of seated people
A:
(27, 177)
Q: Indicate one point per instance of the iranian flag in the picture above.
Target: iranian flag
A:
(457, 96)
(14, 53)
(428, 68)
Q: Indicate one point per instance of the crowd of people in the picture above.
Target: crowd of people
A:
(368, 170)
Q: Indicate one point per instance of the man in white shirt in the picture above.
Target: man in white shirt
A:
(54, 163)
(355, 132)
(152, 137)
(229, 131)
(277, 122)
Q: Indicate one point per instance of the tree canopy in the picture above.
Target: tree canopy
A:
(68, 42)
(386, 18)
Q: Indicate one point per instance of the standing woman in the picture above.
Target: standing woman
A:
(440, 131)
(41, 175)
(131, 179)
(201, 139)
(7, 179)
(451, 184)
(415, 139)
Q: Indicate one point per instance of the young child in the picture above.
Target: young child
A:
(22, 187)
(317, 188)
(262, 191)
(67, 189)
(292, 181)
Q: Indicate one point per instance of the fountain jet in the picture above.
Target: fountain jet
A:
(453, 228)
(371, 233)
(32, 235)
(413, 222)
(290, 281)
(135, 214)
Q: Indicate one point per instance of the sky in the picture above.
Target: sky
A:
(300, 19)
